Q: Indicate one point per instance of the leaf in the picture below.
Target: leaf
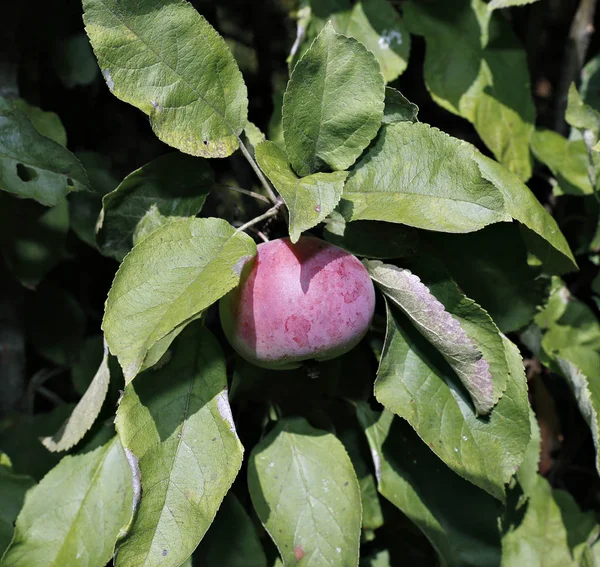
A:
(566, 159)
(175, 424)
(469, 54)
(527, 473)
(496, 4)
(32, 237)
(380, 559)
(83, 495)
(494, 273)
(19, 437)
(398, 108)
(435, 183)
(377, 25)
(415, 383)
(544, 237)
(164, 58)
(46, 123)
(175, 184)
(449, 335)
(74, 61)
(373, 239)
(167, 280)
(306, 494)
(219, 548)
(553, 533)
(32, 165)
(56, 325)
(590, 81)
(333, 104)
(84, 414)
(581, 115)
(459, 520)
(13, 488)
(309, 199)
(85, 207)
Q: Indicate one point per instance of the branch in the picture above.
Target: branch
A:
(580, 35)
(272, 212)
(259, 173)
(245, 192)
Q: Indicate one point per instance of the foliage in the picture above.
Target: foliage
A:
(133, 434)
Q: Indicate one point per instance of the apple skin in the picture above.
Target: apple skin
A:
(295, 302)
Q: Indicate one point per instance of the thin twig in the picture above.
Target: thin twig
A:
(259, 173)
(245, 192)
(273, 211)
(580, 35)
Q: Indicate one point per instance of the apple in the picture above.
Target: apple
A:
(298, 302)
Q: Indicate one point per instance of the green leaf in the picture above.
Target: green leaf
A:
(377, 25)
(306, 494)
(414, 382)
(527, 473)
(309, 199)
(219, 547)
(56, 325)
(456, 326)
(590, 82)
(20, 437)
(581, 115)
(46, 123)
(459, 520)
(333, 104)
(553, 533)
(32, 237)
(176, 426)
(494, 272)
(74, 515)
(32, 165)
(84, 206)
(175, 184)
(167, 280)
(74, 61)
(496, 4)
(435, 185)
(380, 559)
(545, 239)
(470, 53)
(566, 159)
(84, 414)
(164, 58)
(379, 240)
(398, 108)
(13, 488)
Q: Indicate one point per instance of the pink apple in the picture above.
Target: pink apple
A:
(305, 301)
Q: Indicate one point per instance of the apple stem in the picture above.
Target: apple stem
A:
(272, 212)
(265, 183)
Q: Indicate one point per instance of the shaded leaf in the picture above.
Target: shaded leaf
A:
(415, 384)
(306, 494)
(167, 60)
(553, 533)
(446, 333)
(74, 61)
(469, 52)
(85, 413)
(174, 185)
(31, 165)
(13, 488)
(176, 426)
(494, 272)
(590, 82)
(333, 104)
(398, 108)
(168, 280)
(459, 520)
(33, 237)
(83, 495)
(496, 4)
(373, 239)
(219, 548)
(581, 115)
(309, 199)
(416, 175)
(544, 238)
(46, 123)
(566, 159)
